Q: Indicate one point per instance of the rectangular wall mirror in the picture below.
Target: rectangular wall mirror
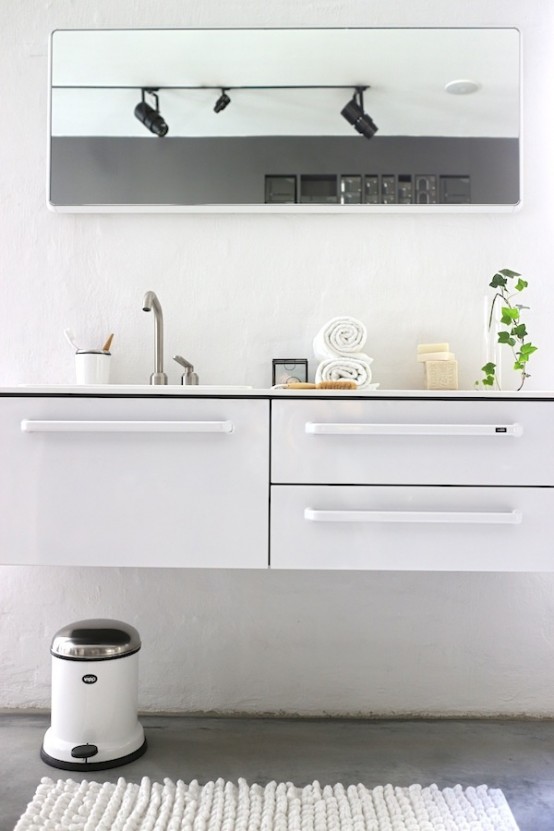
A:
(305, 120)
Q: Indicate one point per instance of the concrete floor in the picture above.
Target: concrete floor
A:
(516, 756)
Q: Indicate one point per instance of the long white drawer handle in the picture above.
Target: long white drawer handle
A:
(32, 426)
(467, 517)
(515, 430)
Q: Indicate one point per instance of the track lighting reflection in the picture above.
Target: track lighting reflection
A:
(353, 111)
(355, 115)
(150, 116)
(222, 102)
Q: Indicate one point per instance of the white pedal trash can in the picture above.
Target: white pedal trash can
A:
(94, 722)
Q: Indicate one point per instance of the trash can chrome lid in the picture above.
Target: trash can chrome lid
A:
(95, 640)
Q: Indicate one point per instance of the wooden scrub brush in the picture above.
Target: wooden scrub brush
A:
(322, 385)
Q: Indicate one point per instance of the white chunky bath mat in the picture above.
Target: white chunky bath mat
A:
(224, 806)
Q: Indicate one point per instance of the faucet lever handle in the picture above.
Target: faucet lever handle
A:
(183, 362)
(189, 377)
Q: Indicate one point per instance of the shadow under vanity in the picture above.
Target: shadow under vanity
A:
(162, 477)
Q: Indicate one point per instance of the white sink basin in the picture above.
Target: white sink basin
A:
(142, 387)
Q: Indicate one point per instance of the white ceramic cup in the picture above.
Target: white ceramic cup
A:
(92, 367)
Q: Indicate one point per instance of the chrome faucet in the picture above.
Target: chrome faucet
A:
(151, 303)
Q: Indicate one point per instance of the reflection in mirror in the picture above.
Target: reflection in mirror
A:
(284, 118)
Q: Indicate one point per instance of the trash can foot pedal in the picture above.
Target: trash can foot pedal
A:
(84, 751)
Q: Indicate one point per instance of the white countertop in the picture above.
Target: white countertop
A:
(99, 390)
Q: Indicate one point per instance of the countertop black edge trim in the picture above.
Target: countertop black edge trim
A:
(124, 395)
(418, 485)
(402, 398)
(269, 397)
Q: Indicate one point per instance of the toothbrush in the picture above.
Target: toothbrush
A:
(70, 337)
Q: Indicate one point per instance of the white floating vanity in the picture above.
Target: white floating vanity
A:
(150, 476)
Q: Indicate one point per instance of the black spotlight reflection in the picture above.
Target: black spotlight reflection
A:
(360, 120)
(222, 102)
(150, 116)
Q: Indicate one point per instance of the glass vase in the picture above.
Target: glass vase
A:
(492, 350)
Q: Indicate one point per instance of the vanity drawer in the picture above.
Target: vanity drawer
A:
(413, 442)
(412, 528)
(134, 482)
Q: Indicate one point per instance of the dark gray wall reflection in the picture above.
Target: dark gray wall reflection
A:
(231, 171)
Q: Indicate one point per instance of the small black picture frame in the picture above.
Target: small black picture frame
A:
(285, 370)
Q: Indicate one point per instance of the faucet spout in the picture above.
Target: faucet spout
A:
(152, 304)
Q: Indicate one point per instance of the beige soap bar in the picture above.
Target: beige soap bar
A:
(433, 347)
(441, 375)
(436, 356)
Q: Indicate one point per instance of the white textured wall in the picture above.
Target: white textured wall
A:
(237, 291)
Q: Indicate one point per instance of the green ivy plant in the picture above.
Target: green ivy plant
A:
(515, 333)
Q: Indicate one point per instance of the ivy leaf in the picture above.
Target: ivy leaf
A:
(497, 281)
(518, 365)
(488, 381)
(521, 284)
(509, 315)
(528, 349)
(507, 272)
(520, 331)
(489, 368)
(505, 337)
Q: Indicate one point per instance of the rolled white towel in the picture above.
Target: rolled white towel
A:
(340, 336)
(353, 368)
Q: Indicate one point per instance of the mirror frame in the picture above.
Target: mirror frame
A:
(288, 208)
